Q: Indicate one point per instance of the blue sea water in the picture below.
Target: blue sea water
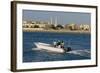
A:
(80, 44)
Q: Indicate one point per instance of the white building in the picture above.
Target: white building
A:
(85, 27)
(31, 24)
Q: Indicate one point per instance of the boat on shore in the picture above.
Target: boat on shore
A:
(50, 47)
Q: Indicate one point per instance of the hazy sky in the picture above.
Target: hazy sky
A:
(62, 17)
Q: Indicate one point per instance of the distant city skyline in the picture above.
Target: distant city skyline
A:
(62, 17)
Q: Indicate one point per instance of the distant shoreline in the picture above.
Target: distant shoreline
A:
(56, 31)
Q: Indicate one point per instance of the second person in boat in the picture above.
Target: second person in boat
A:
(58, 44)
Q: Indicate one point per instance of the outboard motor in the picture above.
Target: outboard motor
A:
(69, 49)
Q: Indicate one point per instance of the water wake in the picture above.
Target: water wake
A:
(85, 53)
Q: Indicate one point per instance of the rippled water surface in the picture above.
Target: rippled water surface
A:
(80, 44)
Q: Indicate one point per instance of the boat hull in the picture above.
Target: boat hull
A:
(49, 47)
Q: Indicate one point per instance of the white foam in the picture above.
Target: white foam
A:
(85, 53)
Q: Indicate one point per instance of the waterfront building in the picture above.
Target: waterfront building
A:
(71, 26)
(32, 24)
(84, 27)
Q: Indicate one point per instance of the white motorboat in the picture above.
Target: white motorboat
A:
(49, 47)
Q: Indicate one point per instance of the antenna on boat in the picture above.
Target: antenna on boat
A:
(69, 46)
